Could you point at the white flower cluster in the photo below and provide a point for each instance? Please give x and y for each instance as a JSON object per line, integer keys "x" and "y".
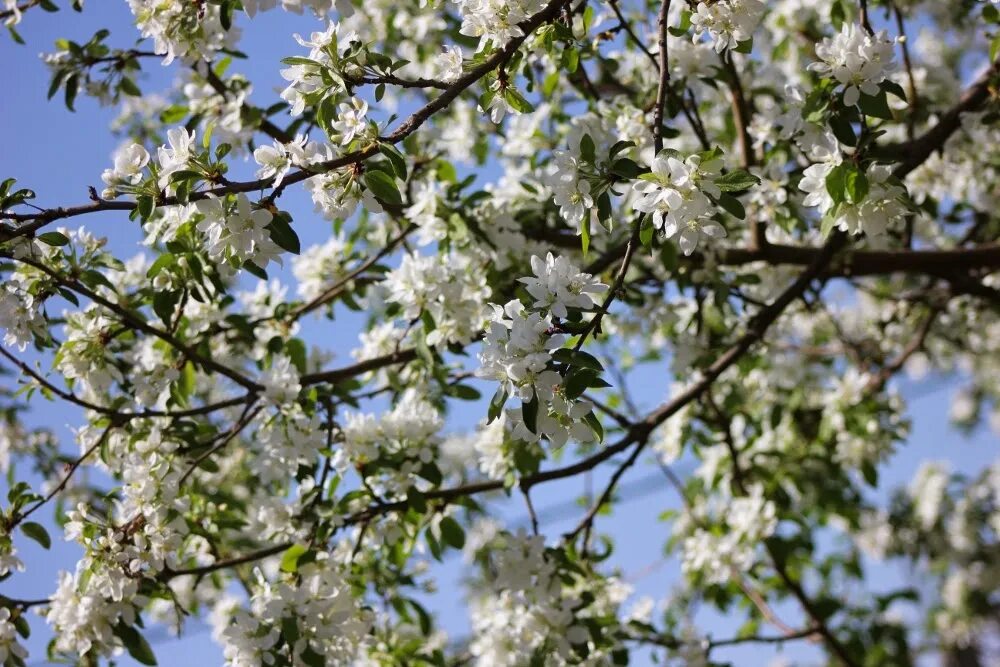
{"x": 519, "y": 343}
{"x": 558, "y": 285}
{"x": 319, "y": 266}
{"x": 716, "y": 556}
{"x": 677, "y": 194}
{"x": 10, "y": 647}
{"x": 224, "y": 113}
{"x": 449, "y": 64}
{"x": 317, "y": 602}
{"x": 9, "y": 561}
{"x": 531, "y": 606}
{"x": 280, "y": 381}
{"x": 407, "y": 434}
{"x": 882, "y": 207}
{"x": 129, "y": 162}
{"x": 182, "y": 29}
{"x": 517, "y": 350}
{"x": 319, "y": 77}
{"x": 235, "y": 233}
{"x": 495, "y": 21}
{"x": 283, "y": 443}
{"x": 276, "y": 160}
{"x": 423, "y": 212}
{"x": 571, "y": 193}
{"x": 84, "y": 357}
{"x": 449, "y": 288}
{"x": 20, "y": 315}
{"x": 574, "y": 171}
{"x": 88, "y": 605}
{"x": 337, "y": 193}
{"x": 14, "y": 7}
{"x": 928, "y": 491}
{"x": 728, "y": 22}
{"x": 174, "y": 156}
{"x": 350, "y": 122}
{"x": 318, "y": 7}
{"x": 155, "y": 372}
{"x": 857, "y": 60}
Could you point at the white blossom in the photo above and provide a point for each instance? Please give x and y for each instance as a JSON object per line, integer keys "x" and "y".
{"x": 857, "y": 60}
{"x": 130, "y": 161}
{"x": 235, "y": 232}
{"x": 677, "y": 196}
{"x": 728, "y": 22}
{"x": 557, "y": 285}
{"x": 449, "y": 63}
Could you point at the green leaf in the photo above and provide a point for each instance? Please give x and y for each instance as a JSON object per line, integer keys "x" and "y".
{"x": 870, "y": 473}
{"x": 299, "y": 60}
{"x": 682, "y": 27}
{"x": 745, "y": 46}
{"x": 72, "y": 87}
{"x": 464, "y": 392}
{"x": 127, "y": 86}
{"x": 626, "y": 169}
{"x": 290, "y": 559}
{"x": 571, "y": 59}
{"x": 173, "y": 114}
{"x": 164, "y": 303}
{"x": 254, "y": 270}
{"x": 226, "y": 15}
{"x": 135, "y": 643}
{"x": 604, "y": 212}
{"x": 579, "y": 380}
{"x": 890, "y": 86}
{"x": 732, "y": 205}
{"x": 578, "y": 359}
{"x": 312, "y": 658}
{"x": 876, "y": 106}
{"x": 53, "y": 238}
{"x": 37, "y": 532}
{"x": 433, "y": 545}
{"x": 290, "y": 629}
{"x": 283, "y": 234}
{"x": 517, "y": 101}
{"x": 145, "y": 206}
{"x": 395, "y": 158}
{"x": 296, "y": 351}
{"x": 588, "y": 151}
{"x": 452, "y": 533}
{"x": 843, "y": 130}
{"x": 620, "y": 146}
{"x": 496, "y": 404}
{"x": 383, "y": 186}
{"x": 529, "y": 412}
{"x": 646, "y": 233}
{"x": 827, "y": 223}
{"x": 836, "y": 183}
{"x": 22, "y": 627}
{"x": 856, "y": 186}
{"x": 736, "y": 181}
{"x": 585, "y": 234}
{"x": 162, "y": 262}
{"x": 57, "y": 80}
{"x": 595, "y": 425}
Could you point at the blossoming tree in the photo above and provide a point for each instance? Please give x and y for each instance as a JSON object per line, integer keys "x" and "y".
{"x": 771, "y": 208}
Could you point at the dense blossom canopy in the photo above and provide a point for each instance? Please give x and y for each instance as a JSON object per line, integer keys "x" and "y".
{"x": 771, "y": 208}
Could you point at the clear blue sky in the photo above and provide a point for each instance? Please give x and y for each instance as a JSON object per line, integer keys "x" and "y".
{"x": 59, "y": 154}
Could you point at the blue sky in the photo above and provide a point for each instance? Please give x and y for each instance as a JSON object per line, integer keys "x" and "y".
{"x": 59, "y": 154}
